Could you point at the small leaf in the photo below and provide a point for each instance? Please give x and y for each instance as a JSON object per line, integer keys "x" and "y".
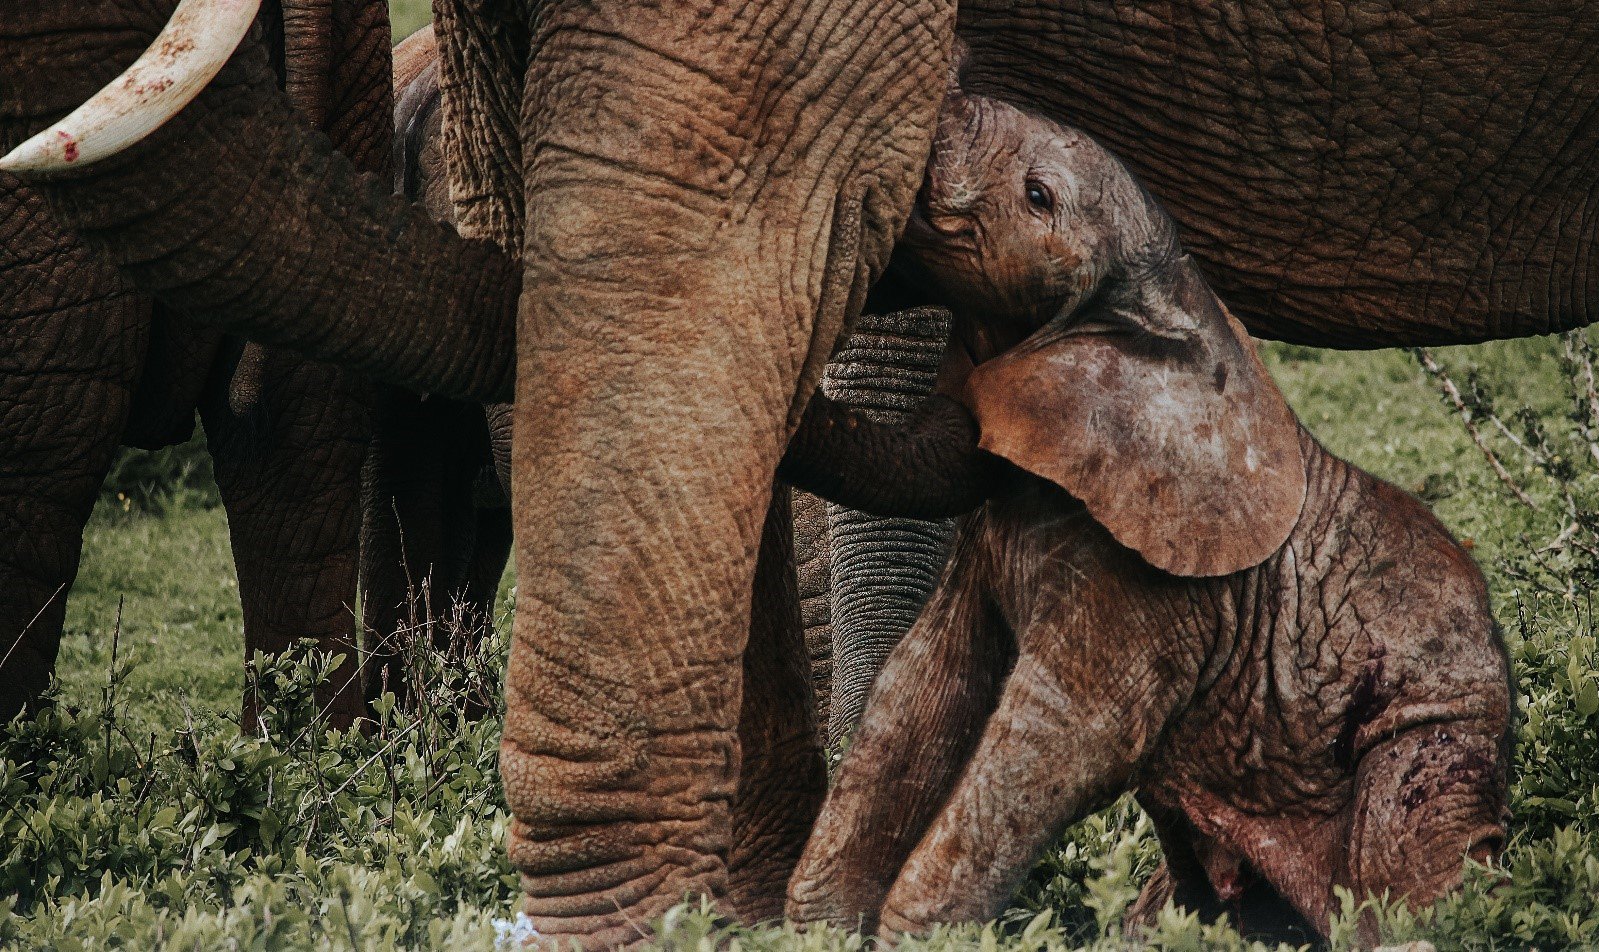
{"x": 1588, "y": 697}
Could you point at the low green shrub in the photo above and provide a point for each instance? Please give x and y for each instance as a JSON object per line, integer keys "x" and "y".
{"x": 292, "y": 837}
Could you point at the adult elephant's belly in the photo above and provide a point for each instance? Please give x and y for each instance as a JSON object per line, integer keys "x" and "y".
{"x": 1403, "y": 172}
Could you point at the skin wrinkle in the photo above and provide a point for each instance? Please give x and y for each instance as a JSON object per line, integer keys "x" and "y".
{"x": 1250, "y": 726}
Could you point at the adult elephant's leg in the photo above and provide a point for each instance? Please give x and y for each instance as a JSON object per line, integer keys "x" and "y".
{"x": 419, "y": 526}
{"x": 783, "y": 778}
{"x": 72, "y": 343}
{"x": 883, "y": 569}
{"x": 492, "y": 543}
{"x": 290, "y": 434}
{"x": 813, "y": 562}
{"x": 287, "y": 438}
{"x": 709, "y": 189}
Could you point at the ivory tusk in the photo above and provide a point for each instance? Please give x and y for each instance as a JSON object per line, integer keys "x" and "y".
{"x": 187, "y": 54}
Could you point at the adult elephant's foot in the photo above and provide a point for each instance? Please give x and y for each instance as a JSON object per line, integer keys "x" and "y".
{"x": 621, "y": 810}
{"x": 616, "y": 823}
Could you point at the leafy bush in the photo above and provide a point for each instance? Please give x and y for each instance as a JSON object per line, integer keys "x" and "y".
{"x": 295, "y": 836}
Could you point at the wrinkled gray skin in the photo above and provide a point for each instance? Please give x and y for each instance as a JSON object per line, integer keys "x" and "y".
{"x": 87, "y": 364}
{"x": 883, "y": 568}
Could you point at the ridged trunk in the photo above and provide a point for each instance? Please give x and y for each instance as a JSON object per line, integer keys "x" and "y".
{"x": 213, "y": 214}
{"x": 883, "y": 569}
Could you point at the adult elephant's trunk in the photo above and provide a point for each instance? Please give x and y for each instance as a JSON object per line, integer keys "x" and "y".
{"x": 883, "y": 568}
{"x": 236, "y": 212}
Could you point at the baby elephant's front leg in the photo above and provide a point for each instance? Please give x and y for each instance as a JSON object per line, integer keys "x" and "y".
{"x": 924, "y": 718}
{"x": 1064, "y": 740}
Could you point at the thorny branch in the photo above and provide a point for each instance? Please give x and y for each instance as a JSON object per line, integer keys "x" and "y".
{"x": 1535, "y": 450}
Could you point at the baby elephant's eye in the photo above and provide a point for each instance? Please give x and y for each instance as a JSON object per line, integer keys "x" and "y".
{"x": 1038, "y": 196}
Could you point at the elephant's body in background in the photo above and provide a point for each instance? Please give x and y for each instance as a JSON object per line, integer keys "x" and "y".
{"x": 87, "y": 365}
{"x": 681, "y": 209}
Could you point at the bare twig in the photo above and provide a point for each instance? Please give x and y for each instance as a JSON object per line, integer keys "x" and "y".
{"x": 1452, "y": 393}
{"x": 36, "y": 615}
{"x": 110, "y": 696}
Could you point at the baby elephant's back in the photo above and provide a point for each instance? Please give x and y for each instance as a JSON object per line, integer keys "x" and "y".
{"x": 1361, "y": 711}
{"x": 1371, "y": 618}
{"x": 1400, "y": 602}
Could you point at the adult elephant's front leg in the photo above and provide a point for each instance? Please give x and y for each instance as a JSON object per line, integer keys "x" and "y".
{"x": 710, "y": 188}
{"x": 73, "y": 340}
{"x": 287, "y": 436}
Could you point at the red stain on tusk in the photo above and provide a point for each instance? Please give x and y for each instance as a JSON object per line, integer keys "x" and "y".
{"x": 69, "y": 147}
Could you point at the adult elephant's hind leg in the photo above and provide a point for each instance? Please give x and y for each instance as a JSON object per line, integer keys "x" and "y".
{"x": 783, "y": 778}
{"x": 419, "y": 533}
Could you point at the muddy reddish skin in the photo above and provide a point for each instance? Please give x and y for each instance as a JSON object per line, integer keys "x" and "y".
{"x": 1335, "y": 713}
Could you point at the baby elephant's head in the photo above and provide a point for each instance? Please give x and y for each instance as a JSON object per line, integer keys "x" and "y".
{"x": 1020, "y": 219}
{"x": 1104, "y": 363}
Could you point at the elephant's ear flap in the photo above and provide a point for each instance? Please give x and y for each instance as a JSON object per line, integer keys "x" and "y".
{"x": 1160, "y": 417}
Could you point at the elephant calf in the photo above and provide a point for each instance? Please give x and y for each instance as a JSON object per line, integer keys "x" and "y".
{"x": 1176, "y": 590}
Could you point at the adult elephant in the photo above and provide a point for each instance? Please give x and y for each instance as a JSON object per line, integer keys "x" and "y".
{"x": 430, "y": 458}
{"x": 87, "y": 364}
{"x": 694, "y": 197}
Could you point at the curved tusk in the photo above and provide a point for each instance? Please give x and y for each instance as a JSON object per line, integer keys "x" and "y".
{"x": 187, "y": 54}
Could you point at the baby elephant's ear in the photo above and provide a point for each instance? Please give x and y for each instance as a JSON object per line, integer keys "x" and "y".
{"x": 1165, "y": 424}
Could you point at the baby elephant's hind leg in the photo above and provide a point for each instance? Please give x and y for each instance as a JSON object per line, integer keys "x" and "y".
{"x": 921, "y": 724}
{"x": 1425, "y": 800}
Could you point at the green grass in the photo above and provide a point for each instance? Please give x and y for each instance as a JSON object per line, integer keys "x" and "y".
{"x": 181, "y": 626}
{"x": 164, "y": 827}
{"x": 406, "y": 16}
